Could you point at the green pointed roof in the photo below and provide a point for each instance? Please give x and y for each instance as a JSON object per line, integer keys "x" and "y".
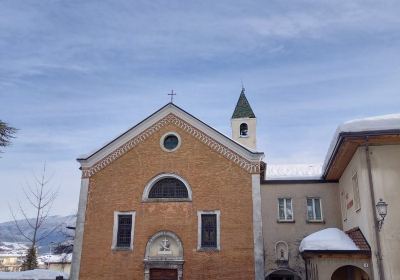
{"x": 243, "y": 108}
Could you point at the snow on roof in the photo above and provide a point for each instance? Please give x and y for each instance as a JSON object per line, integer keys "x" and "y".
{"x": 330, "y": 239}
{"x": 12, "y": 255}
{"x": 293, "y": 171}
{"x": 377, "y": 123}
{"x": 62, "y": 258}
{"x": 37, "y": 274}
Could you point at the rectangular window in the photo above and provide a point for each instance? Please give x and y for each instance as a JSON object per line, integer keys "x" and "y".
{"x": 123, "y": 230}
{"x": 285, "y": 209}
{"x": 208, "y": 229}
{"x": 356, "y": 192}
{"x": 314, "y": 209}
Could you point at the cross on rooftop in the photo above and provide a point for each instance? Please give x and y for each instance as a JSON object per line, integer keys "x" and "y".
{"x": 172, "y": 95}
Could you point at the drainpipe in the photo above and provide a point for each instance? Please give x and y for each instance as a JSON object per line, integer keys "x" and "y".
{"x": 373, "y": 204}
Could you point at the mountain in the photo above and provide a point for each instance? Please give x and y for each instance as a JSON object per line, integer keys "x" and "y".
{"x": 10, "y": 233}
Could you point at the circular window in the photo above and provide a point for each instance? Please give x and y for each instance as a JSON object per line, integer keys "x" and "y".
{"x": 170, "y": 142}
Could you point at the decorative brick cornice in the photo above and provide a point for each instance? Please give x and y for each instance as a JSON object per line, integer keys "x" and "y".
{"x": 251, "y": 167}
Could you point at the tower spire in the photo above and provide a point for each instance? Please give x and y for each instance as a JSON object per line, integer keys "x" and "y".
{"x": 243, "y": 108}
{"x": 243, "y": 122}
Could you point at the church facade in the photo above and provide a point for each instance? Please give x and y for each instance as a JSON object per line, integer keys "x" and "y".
{"x": 172, "y": 198}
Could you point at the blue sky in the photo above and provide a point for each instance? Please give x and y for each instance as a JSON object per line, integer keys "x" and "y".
{"x": 74, "y": 74}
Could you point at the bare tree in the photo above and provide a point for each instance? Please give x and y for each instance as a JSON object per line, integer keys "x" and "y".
{"x": 40, "y": 196}
{"x": 6, "y": 134}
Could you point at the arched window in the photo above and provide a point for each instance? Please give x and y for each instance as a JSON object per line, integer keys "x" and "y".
{"x": 168, "y": 188}
{"x": 244, "y": 130}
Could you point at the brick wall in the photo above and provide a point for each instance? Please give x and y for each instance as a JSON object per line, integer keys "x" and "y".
{"x": 216, "y": 182}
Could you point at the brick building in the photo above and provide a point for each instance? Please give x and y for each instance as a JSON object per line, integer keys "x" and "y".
{"x": 172, "y": 198}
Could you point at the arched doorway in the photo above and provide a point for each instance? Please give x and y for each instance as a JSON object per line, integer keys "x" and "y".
{"x": 282, "y": 274}
{"x": 349, "y": 272}
{"x": 163, "y": 259}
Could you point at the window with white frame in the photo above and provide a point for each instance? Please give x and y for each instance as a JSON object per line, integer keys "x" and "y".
{"x": 314, "y": 209}
{"x": 123, "y": 231}
{"x": 208, "y": 230}
{"x": 167, "y": 187}
{"x": 285, "y": 209}
{"x": 356, "y": 192}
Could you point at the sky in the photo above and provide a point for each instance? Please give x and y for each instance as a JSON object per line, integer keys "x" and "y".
{"x": 75, "y": 74}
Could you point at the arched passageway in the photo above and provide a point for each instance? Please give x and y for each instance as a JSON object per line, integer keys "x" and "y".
{"x": 349, "y": 272}
{"x": 282, "y": 274}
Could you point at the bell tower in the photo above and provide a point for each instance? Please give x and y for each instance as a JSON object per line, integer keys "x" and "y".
{"x": 243, "y": 123}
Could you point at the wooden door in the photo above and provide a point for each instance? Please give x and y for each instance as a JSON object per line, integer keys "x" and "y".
{"x": 163, "y": 274}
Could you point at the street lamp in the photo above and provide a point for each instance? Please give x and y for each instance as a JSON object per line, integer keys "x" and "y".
{"x": 381, "y": 206}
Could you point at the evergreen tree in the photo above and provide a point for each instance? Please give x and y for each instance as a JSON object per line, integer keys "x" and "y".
{"x": 30, "y": 261}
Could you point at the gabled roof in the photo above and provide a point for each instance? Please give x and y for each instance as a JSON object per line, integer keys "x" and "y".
{"x": 170, "y": 113}
{"x": 243, "y": 108}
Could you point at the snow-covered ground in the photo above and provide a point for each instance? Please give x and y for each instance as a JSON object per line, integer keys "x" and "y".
{"x": 330, "y": 239}
{"x": 37, "y": 274}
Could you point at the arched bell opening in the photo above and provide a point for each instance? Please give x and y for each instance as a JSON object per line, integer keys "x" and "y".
{"x": 244, "y": 130}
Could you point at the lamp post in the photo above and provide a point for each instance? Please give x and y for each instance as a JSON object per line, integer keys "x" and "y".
{"x": 381, "y": 207}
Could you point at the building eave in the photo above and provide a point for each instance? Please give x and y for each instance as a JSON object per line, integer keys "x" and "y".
{"x": 355, "y": 140}
{"x": 336, "y": 252}
{"x": 296, "y": 181}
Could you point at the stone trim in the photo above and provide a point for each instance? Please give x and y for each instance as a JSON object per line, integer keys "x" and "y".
{"x": 169, "y": 234}
{"x": 80, "y": 225}
{"x": 115, "y": 230}
{"x": 257, "y": 229}
{"x": 218, "y": 213}
{"x": 145, "y": 196}
{"x": 164, "y": 262}
{"x": 167, "y": 134}
{"x": 251, "y": 167}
